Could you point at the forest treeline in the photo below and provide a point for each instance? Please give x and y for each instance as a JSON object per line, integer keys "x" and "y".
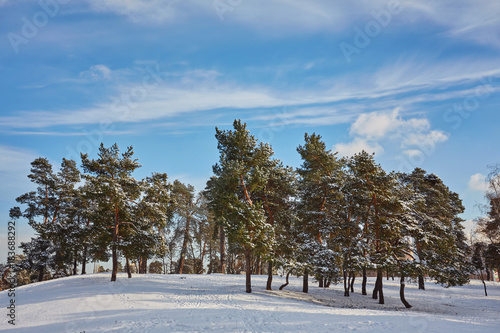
{"x": 331, "y": 219}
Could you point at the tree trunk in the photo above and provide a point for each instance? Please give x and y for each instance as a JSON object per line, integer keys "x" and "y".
{"x": 258, "y": 266}
{"x": 363, "y": 284}
{"x": 421, "y": 282}
{"x": 286, "y": 280}
{"x": 248, "y": 271}
{"x": 380, "y": 274}
{"x": 375, "y": 289}
{"x": 305, "y": 282}
{"x": 127, "y": 265}
{"x": 269, "y": 275}
{"x": 114, "y": 272}
{"x": 346, "y": 284}
{"x": 402, "y": 292}
{"x": 41, "y": 274}
{"x": 388, "y": 275}
{"x": 75, "y": 264}
{"x": 84, "y": 260}
{"x": 144, "y": 265}
{"x": 321, "y": 283}
{"x": 182, "y": 259}
{"x": 487, "y": 274}
{"x": 484, "y": 284}
{"x": 222, "y": 249}
{"x": 352, "y": 281}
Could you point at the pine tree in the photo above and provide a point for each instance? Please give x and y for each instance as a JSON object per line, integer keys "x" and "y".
{"x": 318, "y": 195}
{"x": 440, "y": 244}
{"x": 114, "y": 188}
{"x": 50, "y": 212}
{"x": 244, "y": 168}
{"x": 185, "y": 210}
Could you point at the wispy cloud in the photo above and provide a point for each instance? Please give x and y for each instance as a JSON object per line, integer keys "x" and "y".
{"x": 475, "y": 20}
{"x": 165, "y": 95}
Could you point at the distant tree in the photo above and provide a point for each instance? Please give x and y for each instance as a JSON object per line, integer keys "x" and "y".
{"x": 185, "y": 209}
{"x": 489, "y": 226}
{"x": 478, "y": 261}
{"x": 156, "y": 267}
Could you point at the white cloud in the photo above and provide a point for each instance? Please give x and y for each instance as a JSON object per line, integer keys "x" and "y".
{"x": 425, "y": 139}
{"x": 144, "y": 11}
{"x": 478, "y": 182}
{"x": 96, "y": 73}
{"x": 413, "y": 153}
{"x": 370, "y": 128}
{"x": 375, "y": 125}
{"x": 356, "y": 146}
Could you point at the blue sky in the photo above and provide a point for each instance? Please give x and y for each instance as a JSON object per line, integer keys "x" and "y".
{"x": 416, "y": 82}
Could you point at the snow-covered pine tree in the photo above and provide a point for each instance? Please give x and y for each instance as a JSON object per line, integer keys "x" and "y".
{"x": 244, "y": 168}
{"x": 50, "y": 212}
{"x": 114, "y": 189}
{"x": 319, "y": 184}
{"x": 440, "y": 246}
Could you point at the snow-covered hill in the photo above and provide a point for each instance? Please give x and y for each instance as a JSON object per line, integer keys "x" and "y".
{"x": 218, "y": 303}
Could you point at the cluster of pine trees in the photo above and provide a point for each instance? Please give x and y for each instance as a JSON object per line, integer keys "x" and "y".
{"x": 330, "y": 219}
{"x": 334, "y": 217}
{"x": 105, "y": 213}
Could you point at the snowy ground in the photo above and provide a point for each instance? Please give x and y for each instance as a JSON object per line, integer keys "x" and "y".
{"x": 201, "y": 303}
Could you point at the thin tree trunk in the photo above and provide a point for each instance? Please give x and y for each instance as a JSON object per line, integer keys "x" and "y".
{"x": 421, "y": 282}
{"x": 305, "y": 282}
{"x": 143, "y": 265}
{"x": 402, "y": 292}
{"x": 346, "y": 284}
{"x": 114, "y": 250}
{"x": 75, "y": 264}
{"x": 84, "y": 260}
{"x": 269, "y": 275}
{"x": 222, "y": 249}
{"x": 41, "y": 274}
{"x": 380, "y": 274}
{"x": 352, "y": 281}
{"x": 321, "y": 283}
{"x": 484, "y": 284}
{"x": 127, "y": 265}
{"x": 286, "y": 280}
{"x": 248, "y": 271}
{"x": 375, "y": 289}
{"x": 363, "y": 284}
{"x": 387, "y": 275}
{"x": 182, "y": 259}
